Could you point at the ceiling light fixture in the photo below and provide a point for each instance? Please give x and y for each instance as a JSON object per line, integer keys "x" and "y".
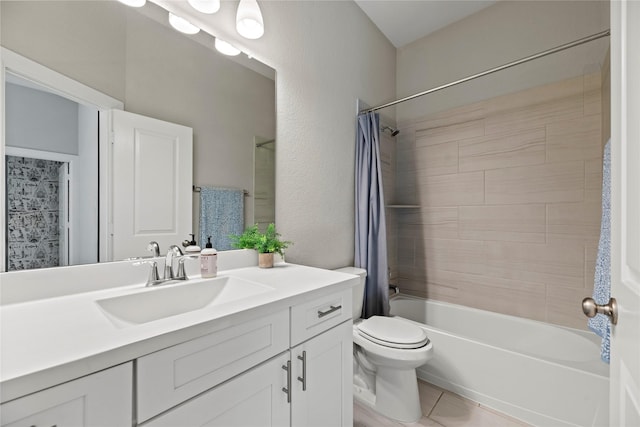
{"x": 226, "y": 48}
{"x": 182, "y": 24}
{"x": 133, "y": 3}
{"x": 205, "y": 6}
{"x": 249, "y": 21}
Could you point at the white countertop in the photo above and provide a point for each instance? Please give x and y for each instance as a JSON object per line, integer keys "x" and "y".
{"x": 44, "y": 342}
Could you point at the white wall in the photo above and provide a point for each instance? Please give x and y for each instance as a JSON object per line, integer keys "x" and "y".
{"x": 504, "y": 32}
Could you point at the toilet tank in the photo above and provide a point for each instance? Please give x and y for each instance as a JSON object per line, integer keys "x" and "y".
{"x": 358, "y": 290}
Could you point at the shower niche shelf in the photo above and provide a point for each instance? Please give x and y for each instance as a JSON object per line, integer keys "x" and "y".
{"x": 402, "y": 206}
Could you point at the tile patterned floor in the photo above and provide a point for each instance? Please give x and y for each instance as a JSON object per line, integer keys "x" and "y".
{"x": 440, "y": 408}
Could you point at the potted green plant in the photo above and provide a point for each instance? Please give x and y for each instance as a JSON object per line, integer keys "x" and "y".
{"x": 266, "y": 244}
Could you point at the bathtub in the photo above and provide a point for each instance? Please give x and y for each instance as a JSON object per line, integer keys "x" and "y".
{"x": 543, "y": 374}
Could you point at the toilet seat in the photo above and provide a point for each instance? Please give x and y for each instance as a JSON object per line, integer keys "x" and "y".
{"x": 392, "y": 332}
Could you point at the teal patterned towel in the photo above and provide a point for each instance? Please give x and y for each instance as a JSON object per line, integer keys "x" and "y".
{"x": 221, "y": 214}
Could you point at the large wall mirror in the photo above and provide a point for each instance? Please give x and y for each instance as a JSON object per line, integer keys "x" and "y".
{"x": 133, "y": 56}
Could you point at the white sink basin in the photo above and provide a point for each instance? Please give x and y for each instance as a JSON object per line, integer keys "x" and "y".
{"x": 159, "y": 302}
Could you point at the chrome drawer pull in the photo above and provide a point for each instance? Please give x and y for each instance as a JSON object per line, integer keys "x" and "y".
{"x": 287, "y": 389}
{"x": 303, "y": 379}
{"x": 331, "y": 310}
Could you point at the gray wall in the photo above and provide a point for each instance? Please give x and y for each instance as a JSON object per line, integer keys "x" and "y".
{"x": 40, "y": 121}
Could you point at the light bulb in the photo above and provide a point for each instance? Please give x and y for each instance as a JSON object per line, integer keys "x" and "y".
{"x": 133, "y": 3}
{"x": 182, "y": 24}
{"x": 249, "y": 21}
{"x": 205, "y": 6}
{"x": 226, "y": 48}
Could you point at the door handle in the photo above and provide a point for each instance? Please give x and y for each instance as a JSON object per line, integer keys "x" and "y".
{"x": 610, "y": 309}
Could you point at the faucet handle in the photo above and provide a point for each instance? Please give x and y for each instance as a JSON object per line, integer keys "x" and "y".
{"x": 154, "y": 277}
{"x": 182, "y": 274}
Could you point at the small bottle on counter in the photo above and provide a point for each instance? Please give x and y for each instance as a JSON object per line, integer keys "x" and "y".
{"x": 192, "y": 247}
{"x": 209, "y": 260}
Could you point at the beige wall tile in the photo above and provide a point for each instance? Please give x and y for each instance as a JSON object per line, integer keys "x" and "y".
{"x": 507, "y": 296}
{"x": 526, "y": 147}
{"x": 553, "y": 264}
{"x": 538, "y": 95}
{"x": 593, "y": 93}
{"x": 466, "y": 113}
{"x": 564, "y": 306}
{"x": 577, "y": 139}
{"x": 463, "y": 256}
{"x": 593, "y": 180}
{"x": 455, "y": 132}
{"x": 552, "y": 182}
{"x": 432, "y": 222}
{"x": 534, "y": 116}
{"x": 590, "y": 256}
{"x": 518, "y": 220}
{"x": 440, "y": 159}
{"x": 452, "y": 190}
{"x": 574, "y": 221}
{"x": 511, "y": 223}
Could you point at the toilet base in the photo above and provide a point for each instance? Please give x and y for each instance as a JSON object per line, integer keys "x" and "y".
{"x": 396, "y": 395}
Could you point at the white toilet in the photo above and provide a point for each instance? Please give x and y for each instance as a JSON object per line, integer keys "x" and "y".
{"x": 386, "y": 353}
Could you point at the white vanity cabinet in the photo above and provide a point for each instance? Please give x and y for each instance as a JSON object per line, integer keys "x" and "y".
{"x": 254, "y": 398}
{"x": 323, "y": 378}
{"x": 290, "y": 368}
{"x": 321, "y": 358}
{"x": 101, "y": 399}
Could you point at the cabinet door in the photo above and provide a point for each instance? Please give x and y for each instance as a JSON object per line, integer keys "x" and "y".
{"x": 100, "y": 399}
{"x": 323, "y": 378}
{"x": 253, "y": 399}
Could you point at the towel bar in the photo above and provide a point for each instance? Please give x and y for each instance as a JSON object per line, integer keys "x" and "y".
{"x": 197, "y": 189}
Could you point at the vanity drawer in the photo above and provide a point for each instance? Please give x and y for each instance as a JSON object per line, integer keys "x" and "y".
{"x": 100, "y": 399}
{"x": 316, "y": 316}
{"x": 173, "y": 375}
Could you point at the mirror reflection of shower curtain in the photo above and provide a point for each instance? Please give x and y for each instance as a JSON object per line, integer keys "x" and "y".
{"x": 35, "y": 210}
{"x": 63, "y": 213}
{"x": 264, "y": 183}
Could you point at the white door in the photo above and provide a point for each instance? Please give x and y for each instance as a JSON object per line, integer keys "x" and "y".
{"x": 625, "y": 218}
{"x": 152, "y": 184}
{"x": 323, "y": 378}
{"x": 63, "y": 214}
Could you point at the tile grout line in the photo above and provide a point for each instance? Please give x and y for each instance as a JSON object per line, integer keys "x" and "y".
{"x": 435, "y": 404}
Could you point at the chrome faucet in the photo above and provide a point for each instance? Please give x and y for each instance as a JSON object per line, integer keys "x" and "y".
{"x": 168, "y": 261}
{"x": 173, "y": 253}
{"x": 154, "y": 247}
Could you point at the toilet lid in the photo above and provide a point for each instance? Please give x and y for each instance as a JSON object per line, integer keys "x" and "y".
{"x": 393, "y": 332}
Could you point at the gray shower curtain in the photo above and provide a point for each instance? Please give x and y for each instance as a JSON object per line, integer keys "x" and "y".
{"x": 371, "y": 232}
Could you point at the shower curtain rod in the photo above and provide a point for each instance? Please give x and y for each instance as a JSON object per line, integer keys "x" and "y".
{"x": 560, "y": 48}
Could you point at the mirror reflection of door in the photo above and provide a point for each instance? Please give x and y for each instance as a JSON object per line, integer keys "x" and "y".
{"x": 45, "y": 135}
